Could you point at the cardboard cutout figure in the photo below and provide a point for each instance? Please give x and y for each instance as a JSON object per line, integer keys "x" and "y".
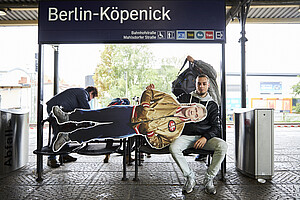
{"x": 159, "y": 117}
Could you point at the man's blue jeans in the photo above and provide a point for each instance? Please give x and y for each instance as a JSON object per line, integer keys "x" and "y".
{"x": 186, "y": 141}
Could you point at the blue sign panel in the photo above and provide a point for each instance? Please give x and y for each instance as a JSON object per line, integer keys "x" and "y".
{"x": 131, "y": 21}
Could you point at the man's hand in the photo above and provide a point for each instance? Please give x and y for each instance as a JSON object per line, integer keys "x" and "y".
{"x": 150, "y": 87}
{"x": 190, "y": 58}
{"x": 199, "y": 144}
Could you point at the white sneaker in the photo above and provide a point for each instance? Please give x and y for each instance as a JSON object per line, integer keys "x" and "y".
{"x": 189, "y": 185}
{"x": 61, "y": 140}
{"x": 209, "y": 186}
{"x": 60, "y": 115}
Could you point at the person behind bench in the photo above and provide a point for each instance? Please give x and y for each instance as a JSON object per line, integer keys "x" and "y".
{"x": 202, "y": 135}
{"x": 69, "y": 100}
{"x": 159, "y": 117}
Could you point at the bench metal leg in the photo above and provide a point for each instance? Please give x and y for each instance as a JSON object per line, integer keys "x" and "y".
{"x": 136, "y": 170}
{"x": 140, "y": 139}
{"x": 124, "y": 160}
{"x": 129, "y": 145}
{"x": 39, "y": 161}
{"x": 39, "y": 168}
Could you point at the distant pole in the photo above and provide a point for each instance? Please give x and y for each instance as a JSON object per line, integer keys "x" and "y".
{"x": 126, "y": 84}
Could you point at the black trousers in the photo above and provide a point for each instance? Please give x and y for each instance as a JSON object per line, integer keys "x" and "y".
{"x": 110, "y": 122}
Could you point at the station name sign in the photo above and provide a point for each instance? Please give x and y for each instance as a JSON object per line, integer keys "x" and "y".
{"x": 131, "y": 21}
{"x": 108, "y": 14}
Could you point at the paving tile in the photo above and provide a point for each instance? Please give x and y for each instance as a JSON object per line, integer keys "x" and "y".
{"x": 160, "y": 158}
{"x": 223, "y": 192}
{"x": 57, "y": 192}
{"x": 67, "y": 177}
{"x": 280, "y": 166}
{"x": 258, "y": 192}
{"x": 111, "y": 178}
{"x": 18, "y": 178}
{"x": 292, "y": 190}
{"x": 117, "y": 167}
{"x": 82, "y": 167}
{"x": 162, "y": 166}
{"x": 9, "y": 192}
{"x": 160, "y": 192}
{"x": 152, "y": 178}
{"x": 284, "y": 158}
{"x": 286, "y": 177}
{"x": 295, "y": 156}
{"x": 159, "y": 177}
{"x": 237, "y": 178}
{"x": 107, "y": 192}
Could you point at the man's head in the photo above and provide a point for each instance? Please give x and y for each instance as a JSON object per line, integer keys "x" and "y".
{"x": 202, "y": 84}
{"x": 195, "y": 112}
{"x": 93, "y": 92}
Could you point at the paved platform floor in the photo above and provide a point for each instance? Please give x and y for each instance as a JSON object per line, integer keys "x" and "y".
{"x": 160, "y": 178}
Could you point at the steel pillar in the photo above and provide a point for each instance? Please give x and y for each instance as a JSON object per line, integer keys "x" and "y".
{"x": 56, "y": 76}
{"x": 40, "y": 99}
{"x": 223, "y": 104}
{"x": 242, "y": 17}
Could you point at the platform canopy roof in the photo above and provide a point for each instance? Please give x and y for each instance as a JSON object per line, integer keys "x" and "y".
{"x": 25, "y": 12}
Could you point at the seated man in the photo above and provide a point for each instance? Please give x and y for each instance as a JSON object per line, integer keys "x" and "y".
{"x": 204, "y": 134}
{"x": 159, "y": 117}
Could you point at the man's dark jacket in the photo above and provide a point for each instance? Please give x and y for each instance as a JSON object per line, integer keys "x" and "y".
{"x": 210, "y": 126}
{"x": 70, "y": 99}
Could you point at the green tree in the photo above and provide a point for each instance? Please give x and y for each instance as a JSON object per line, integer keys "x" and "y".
{"x": 125, "y": 71}
{"x": 296, "y": 91}
{"x": 104, "y": 75}
{"x": 166, "y": 74}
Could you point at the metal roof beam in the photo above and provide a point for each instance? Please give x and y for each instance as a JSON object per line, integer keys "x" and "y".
{"x": 18, "y": 22}
{"x": 274, "y": 3}
{"x": 270, "y": 21}
{"x": 19, "y": 5}
{"x": 274, "y": 6}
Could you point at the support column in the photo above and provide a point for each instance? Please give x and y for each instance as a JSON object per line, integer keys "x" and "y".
{"x": 223, "y": 104}
{"x": 56, "y": 76}
{"x": 40, "y": 99}
{"x": 242, "y": 17}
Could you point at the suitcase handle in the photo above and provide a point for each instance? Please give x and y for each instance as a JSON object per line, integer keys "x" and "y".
{"x": 185, "y": 61}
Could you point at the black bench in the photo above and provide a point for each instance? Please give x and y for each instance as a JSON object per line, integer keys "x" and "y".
{"x": 94, "y": 148}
